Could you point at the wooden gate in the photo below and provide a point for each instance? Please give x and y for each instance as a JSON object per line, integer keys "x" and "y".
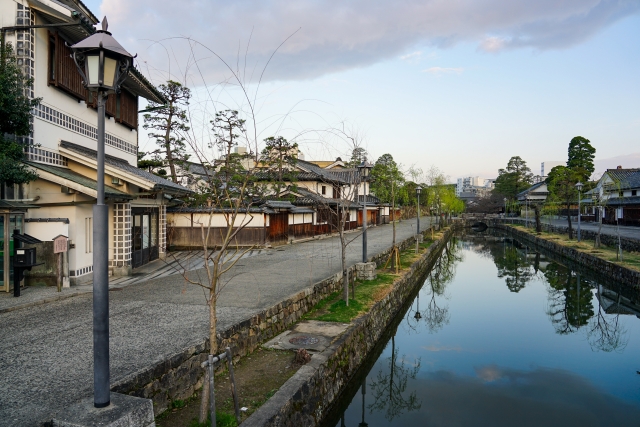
{"x": 279, "y": 228}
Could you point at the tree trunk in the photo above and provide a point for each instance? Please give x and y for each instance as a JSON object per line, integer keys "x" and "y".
{"x": 167, "y": 146}
{"x": 569, "y": 221}
{"x": 596, "y": 244}
{"x": 536, "y": 210}
{"x": 345, "y": 276}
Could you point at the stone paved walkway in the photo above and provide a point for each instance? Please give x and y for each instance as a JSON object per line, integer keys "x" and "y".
{"x": 46, "y": 349}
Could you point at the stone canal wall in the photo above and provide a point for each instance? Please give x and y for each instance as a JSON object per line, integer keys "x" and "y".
{"x": 178, "y": 377}
{"x": 609, "y": 269}
{"x": 627, "y": 244}
{"x": 318, "y": 386}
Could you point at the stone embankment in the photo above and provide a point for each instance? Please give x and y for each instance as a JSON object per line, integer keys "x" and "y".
{"x": 617, "y": 273}
{"x": 179, "y": 376}
{"x": 601, "y": 267}
{"x": 307, "y": 396}
{"x": 627, "y": 244}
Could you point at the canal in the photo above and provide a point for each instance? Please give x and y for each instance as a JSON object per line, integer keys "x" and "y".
{"x": 502, "y": 335}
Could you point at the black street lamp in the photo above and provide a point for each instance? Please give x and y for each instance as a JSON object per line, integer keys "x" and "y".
{"x": 418, "y": 191}
{"x": 579, "y": 186}
{"x": 103, "y": 64}
{"x": 505, "y": 208}
{"x": 364, "y": 168}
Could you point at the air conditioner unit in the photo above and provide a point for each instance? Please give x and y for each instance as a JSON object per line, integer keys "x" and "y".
{"x": 67, "y": 190}
{"x": 116, "y": 181}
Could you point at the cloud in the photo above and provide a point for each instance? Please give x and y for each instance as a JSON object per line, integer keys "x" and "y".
{"x": 492, "y": 44}
{"x": 438, "y": 71}
{"x": 441, "y": 348}
{"x": 332, "y": 35}
{"x": 411, "y": 56}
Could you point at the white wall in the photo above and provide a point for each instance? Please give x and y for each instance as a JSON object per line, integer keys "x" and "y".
{"x": 217, "y": 220}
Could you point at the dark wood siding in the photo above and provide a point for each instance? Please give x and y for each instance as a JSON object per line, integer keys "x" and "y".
{"x": 63, "y": 72}
{"x": 300, "y": 231}
{"x": 278, "y": 228}
{"x": 128, "y": 109}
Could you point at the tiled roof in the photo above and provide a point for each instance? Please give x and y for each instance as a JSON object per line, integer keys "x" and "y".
{"x": 625, "y": 178}
{"x": 314, "y": 172}
{"x": 197, "y": 168}
{"x": 531, "y": 189}
{"x": 278, "y": 204}
{"x": 68, "y": 174}
{"x": 371, "y": 200}
{"x": 311, "y": 198}
{"x": 138, "y": 84}
{"x": 623, "y": 201}
{"x": 158, "y": 182}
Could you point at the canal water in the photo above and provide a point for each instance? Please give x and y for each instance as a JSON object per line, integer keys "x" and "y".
{"x": 502, "y": 335}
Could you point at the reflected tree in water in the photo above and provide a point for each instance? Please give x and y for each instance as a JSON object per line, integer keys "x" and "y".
{"x": 388, "y": 389}
{"x": 570, "y": 299}
{"x": 605, "y": 333}
{"x": 513, "y": 266}
{"x": 441, "y": 274}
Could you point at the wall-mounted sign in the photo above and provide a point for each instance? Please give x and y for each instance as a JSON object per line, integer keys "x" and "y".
{"x": 60, "y": 244}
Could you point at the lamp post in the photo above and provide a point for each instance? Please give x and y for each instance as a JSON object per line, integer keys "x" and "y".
{"x": 418, "y": 191}
{"x": 505, "y": 209}
{"x": 364, "y": 168}
{"x": 103, "y": 64}
{"x": 579, "y": 186}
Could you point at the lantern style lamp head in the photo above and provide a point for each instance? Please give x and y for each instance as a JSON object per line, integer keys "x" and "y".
{"x": 418, "y": 190}
{"x": 102, "y": 62}
{"x": 365, "y": 168}
{"x": 579, "y": 186}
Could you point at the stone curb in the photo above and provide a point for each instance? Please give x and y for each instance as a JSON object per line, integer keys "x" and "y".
{"x": 43, "y": 301}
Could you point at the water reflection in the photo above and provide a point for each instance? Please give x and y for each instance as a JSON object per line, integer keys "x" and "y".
{"x": 389, "y": 388}
{"x": 570, "y": 305}
{"x": 503, "y": 334}
{"x": 606, "y": 332}
{"x": 436, "y": 314}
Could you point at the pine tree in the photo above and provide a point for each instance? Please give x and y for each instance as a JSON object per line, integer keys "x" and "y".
{"x": 169, "y": 121}
{"x": 581, "y": 155}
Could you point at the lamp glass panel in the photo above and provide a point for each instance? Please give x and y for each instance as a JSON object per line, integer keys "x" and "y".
{"x": 110, "y": 66}
{"x": 93, "y": 66}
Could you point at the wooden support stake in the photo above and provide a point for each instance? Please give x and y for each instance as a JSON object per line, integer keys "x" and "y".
{"x": 233, "y": 384}
{"x": 204, "y": 402}
{"x": 60, "y": 272}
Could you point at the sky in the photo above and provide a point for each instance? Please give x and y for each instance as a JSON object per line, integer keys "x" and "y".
{"x": 461, "y": 85}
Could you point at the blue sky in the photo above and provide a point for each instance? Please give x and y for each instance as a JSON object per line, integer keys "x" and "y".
{"x": 459, "y": 85}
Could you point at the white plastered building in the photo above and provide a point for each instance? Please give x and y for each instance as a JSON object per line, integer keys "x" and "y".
{"x": 63, "y": 150}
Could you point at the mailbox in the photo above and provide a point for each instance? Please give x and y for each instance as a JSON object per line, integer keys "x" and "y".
{"x": 24, "y": 257}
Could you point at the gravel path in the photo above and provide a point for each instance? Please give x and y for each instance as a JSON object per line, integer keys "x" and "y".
{"x": 46, "y": 360}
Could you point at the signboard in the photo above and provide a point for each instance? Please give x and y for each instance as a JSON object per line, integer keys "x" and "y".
{"x": 60, "y": 244}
